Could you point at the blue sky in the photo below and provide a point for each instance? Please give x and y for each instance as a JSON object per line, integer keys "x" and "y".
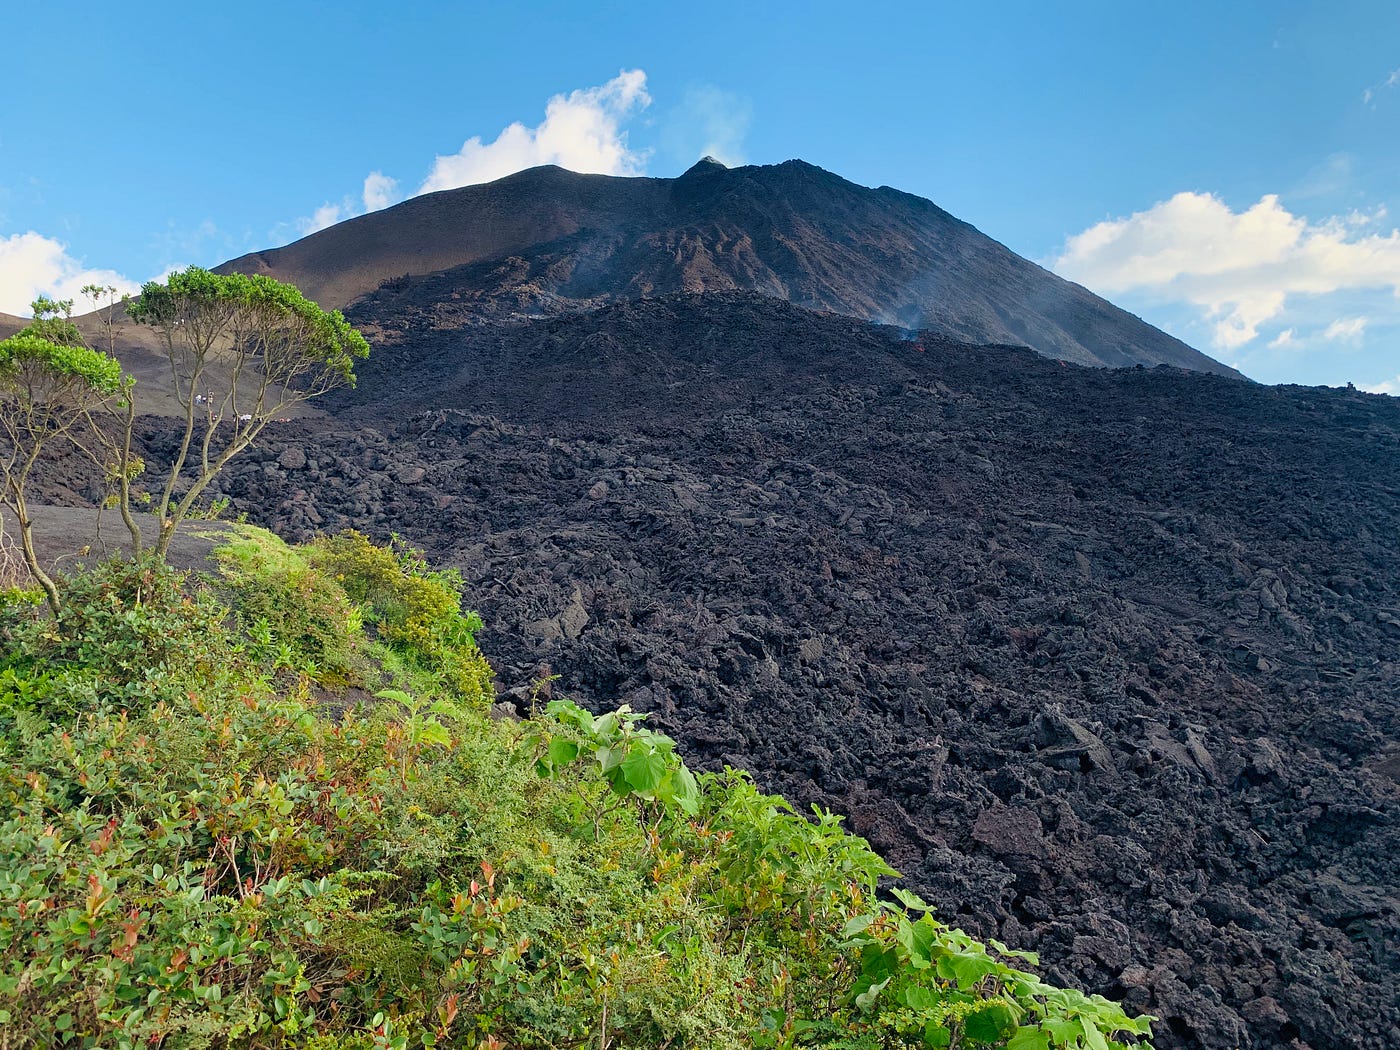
{"x": 1231, "y": 172}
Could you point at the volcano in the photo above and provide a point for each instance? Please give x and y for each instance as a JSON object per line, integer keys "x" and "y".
{"x": 547, "y": 240}
{"x": 1104, "y": 659}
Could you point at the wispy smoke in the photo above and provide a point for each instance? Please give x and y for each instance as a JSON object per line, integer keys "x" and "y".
{"x": 717, "y": 121}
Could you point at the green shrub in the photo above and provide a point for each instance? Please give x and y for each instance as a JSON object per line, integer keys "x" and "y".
{"x": 126, "y": 634}
{"x": 290, "y": 614}
{"x": 242, "y": 870}
{"x": 413, "y": 608}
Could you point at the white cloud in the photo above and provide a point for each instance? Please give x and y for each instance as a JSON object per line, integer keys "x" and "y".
{"x": 32, "y": 265}
{"x": 1390, "y": 386}
{"x": 326, "y": 215}
{"x": 1284, "y": 338}
{"x": 1345, "y": 329}
{"x": 1238, "y": 269}
{"x": 581, "y": 131}
{"x": 380, "y": 191}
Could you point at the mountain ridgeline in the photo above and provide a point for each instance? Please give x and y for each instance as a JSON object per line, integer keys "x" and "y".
{"x": 548, "y": 240}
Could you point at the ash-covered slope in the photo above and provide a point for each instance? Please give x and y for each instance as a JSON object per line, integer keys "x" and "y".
{"x": 1107, "y": 661}
{"x": 9, "y": 324}
{"x": 548, "y": 240}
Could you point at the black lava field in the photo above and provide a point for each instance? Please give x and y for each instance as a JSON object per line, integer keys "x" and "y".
{"x": 1107, "y": 662}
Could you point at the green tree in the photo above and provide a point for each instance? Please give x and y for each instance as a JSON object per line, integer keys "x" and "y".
{"x": 48, "y": 393}
{"x": 104, "y": 300}
{"x": 242, "y": 350}
{"x": 121, "y": 466}
{"x": 53, "y": 320}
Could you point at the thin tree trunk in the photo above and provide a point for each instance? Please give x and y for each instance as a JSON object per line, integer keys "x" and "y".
{"x": 124, "y": 479}
{"x": 31, "y": 557}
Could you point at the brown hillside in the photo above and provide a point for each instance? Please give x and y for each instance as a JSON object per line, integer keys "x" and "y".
{"x": 548, "y": 240}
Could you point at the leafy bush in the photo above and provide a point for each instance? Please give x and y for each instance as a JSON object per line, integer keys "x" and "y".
{"x": 845, "y": 968}
{"x": 412, "y": 607}
{"x": 126, "y": 633}
{"x": 242, "y": 869}
{"x": 291, "y": 614}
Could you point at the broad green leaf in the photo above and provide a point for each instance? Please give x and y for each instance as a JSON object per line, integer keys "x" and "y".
{"x": 918, "y": 939}
{"x": 910, "y": 900}
{"x": 617, "y": 780}
{"x": 1064, "y": 1031}
{"x": 856, "y": 925}
{"x": 1014, "y": 953}
{"x": 569, "y": 712}
{"x": 866, "y": 1000}
{"x": 644, "y": 771}
{"x": 685, "y": 791}
{"x": 990, "y": 1024}
{"x": 1093, "y": 1038}
{"x": 562, "y": 751}
{"x": 937, "y": 1036}
{"x": 877, "y": 962}
{"x": 605, "y": 726}
{"x": 609, "y": 758}
{"x": 917, "y": 997}
{"x": 435, "y": 733}
{"x": 967, "y": 970}
{"x": 1028, "y": 1037}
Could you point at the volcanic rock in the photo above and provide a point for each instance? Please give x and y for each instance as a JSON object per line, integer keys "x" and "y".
{"x": 854, "y": 568}
{"x": 1104, "y": 660}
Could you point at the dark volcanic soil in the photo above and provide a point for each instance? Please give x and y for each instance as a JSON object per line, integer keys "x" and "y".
{"x": 1105, "y": 661}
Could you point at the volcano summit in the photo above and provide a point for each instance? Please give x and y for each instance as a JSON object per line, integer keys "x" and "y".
{"x": 548, "y": 240}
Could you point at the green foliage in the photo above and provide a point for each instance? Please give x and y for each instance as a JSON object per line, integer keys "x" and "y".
{"x": 48, "y": 393}
{"x": 412, "y": 607}
{"x": 290, "y": 614}
{"x": 804, "y": 890}
{"x": 125, "y": 634}
{"x": 242, "y": 350}
{"x": 632, "y": 759}
{"x": 922, "y": 980}
{"x": 261, "y": 314}
{"x": 199, "y": 857}
{"x": 25, "y": 357}
{"x": 52, "y": 322}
